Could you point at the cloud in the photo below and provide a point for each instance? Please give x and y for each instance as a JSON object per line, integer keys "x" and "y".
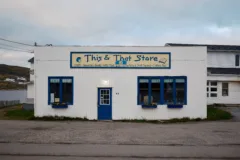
{"x": 120, "y": 22}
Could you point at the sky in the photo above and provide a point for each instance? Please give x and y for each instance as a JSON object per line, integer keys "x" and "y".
{"x": 114, "y": 22}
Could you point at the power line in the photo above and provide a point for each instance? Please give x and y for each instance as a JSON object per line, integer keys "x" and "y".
{"x": 14, "y": 47}
{"x": 15, "y": 50}
{"x": 15, "y": 42}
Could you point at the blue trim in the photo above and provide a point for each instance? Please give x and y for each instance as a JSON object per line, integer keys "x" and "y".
{"x": 149, "y": 106}
{"x": 175, "y": 106}
{"x": 104, "y": 111}
{"x": 120, "y": 67}
{"x": 60, "y": 106}
{"x": 60, "y": 88}
{"x": 185, "y": 91}
{"x": 149, "y": 78}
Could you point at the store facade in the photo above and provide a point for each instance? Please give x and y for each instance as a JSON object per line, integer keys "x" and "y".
{"x": 113, "y": 83}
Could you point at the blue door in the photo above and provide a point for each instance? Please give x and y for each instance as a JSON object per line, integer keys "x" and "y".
{"x": 104, "y": 103}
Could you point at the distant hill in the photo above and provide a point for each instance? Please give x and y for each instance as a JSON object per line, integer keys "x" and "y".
{"x": 13, "y": 72}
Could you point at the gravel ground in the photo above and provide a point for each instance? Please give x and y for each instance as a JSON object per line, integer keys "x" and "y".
{"x": 193, "y": 134}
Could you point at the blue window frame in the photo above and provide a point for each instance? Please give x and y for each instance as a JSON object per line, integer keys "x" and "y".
{"x": 162, "y": 90}
{"x": 60, "y": 89}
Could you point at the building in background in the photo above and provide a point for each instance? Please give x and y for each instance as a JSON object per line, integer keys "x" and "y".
{"x": 223, "y": 72}
{"x": 121, "y": 82}
{"x": 29, "y": 103}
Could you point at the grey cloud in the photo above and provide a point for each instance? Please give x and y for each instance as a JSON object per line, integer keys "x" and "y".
{"x": 120, "y": 22}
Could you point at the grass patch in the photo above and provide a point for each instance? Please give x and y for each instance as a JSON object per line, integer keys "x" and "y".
{"x": 19, "y": 114}
{"x": 58, "y": 118}
{"x": 214, "y": 113}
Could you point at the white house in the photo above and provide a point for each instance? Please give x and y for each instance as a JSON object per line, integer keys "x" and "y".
{"x": 223, "y": 80}
{"x": 9, "y": 80}
{"x": 29, "y": 103}
{"x": 119, "y": 82}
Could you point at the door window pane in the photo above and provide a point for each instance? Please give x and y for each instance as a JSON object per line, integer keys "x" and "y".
{"x": 104, "y": 96}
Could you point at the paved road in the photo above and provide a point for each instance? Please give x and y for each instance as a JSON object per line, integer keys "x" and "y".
{"x": 235, "y": 111}
{"x": 107, "y": 140}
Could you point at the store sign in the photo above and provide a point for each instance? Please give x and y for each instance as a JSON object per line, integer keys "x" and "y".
{"x": 120, "y": 60}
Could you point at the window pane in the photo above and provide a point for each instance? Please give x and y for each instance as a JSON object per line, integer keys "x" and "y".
{"x": 213, "y": 95}
{"x": 207, "y": 95}
{"x": 54, "y": 90}
{"x": 237, "y": 59}
{"x": 168, "y": 91}
{"x": 180, "y": 89}
{"x": 225, "y": 92}
{"x": 143, "y": 91}
{"x": 213, "y": 89}
{"x": 225, "y": 85}
{"x": 224, "y": 89}
{"x": 213, "y": 83}
{"x": 67, "y": 90}
{"x": 155, "y": 85}
{"x": 207, "y": 89}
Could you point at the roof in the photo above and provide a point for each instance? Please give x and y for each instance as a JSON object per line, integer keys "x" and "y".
{"x": 210, "y": 47}
{"x": 31, "y": 60}
{"x": 232, "y": 71}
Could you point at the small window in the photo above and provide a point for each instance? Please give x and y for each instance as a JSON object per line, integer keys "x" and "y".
{"x": 213, "y": 94}
{"x": 211, "y": 89}
{"x": 213, "y": 83}
{"x": 237, "y": 60}
{"x": 60, "y": 90}
{"x": 155, "y": 89}
{"x": 224, "y": 89}
{"x": 180, "y": 91}
{"x": 143, "y": 91}
{"x": 168, "y": 91}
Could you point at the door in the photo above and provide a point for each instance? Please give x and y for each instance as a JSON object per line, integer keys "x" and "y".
{"x": 104, "y": 103}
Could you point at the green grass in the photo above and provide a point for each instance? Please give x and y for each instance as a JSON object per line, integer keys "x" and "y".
{"x": 17, "y": 112}
{"x": 214, "y": 113}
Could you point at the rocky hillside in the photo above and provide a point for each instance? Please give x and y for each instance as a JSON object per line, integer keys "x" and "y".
{"x": 13, "y": 77}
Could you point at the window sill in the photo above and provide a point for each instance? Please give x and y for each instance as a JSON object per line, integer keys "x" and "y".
{"x": 60, "y": 106}
{"x": 149, "y": 106}
{"x": 175, "y": 106}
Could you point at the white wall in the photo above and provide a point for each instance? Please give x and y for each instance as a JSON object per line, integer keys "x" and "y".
{"x": 30, "y": 91}
{"x": 55, "y": 61}
{"x": 221, "y": 60}
{"x": 233, "y": 94}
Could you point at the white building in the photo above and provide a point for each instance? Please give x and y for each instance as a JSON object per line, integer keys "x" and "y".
{"x": 223, "y": 80}
{"x": 29, "y": 103}
{"x": 105, "y": 82}
{"x": 9, "y": 80}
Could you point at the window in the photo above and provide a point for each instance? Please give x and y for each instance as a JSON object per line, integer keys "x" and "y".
{"x": 224, "y": 89}
{"x": 211, "y": 89}
{"x": 162, "y": 90}
{"x": 180, "y": 90}
{"x": 237, "y": 59}
{"x": 60, "y": 90}
{"x": 168, "y": 91}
